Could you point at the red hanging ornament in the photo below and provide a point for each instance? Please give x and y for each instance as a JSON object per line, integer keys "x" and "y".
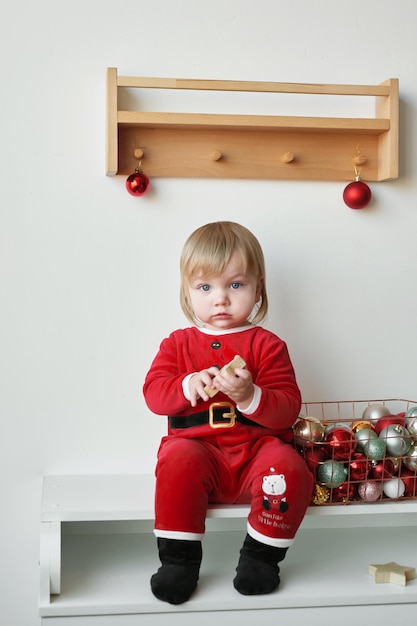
{"x": 137, "y": 184}
{"x": 357, "y": 195}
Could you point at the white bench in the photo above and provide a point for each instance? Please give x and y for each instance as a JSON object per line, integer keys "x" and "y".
{"x": 98, "y": 551}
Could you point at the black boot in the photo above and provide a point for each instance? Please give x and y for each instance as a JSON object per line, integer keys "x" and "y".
{"x": 177, "y": 578}
{"x": 257, "y": 571}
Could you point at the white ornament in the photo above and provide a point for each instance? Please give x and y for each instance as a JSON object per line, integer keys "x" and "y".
{"x": 394, "y": 488}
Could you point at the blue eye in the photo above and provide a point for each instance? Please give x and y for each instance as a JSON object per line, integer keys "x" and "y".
{"x": 205, "y": 287}
{"x": 235, "y": 285}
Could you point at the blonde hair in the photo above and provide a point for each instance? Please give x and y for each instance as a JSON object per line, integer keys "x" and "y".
{"x": 209, "y": 249}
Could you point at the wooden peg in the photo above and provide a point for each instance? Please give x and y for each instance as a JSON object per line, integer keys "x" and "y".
{"x": 359, "y": 159}
{"x": 138, "y": 153}
{"x": 216, "y": 155}
{"x": 288, "y": 157}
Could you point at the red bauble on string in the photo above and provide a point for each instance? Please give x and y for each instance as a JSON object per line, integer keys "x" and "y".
{"x": 137, "y": 183}
{"x": 357, "y": 195}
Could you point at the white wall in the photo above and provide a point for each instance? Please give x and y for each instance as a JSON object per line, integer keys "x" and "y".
{"x": 89, "y": 278}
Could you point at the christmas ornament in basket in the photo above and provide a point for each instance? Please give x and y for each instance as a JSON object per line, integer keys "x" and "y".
{"x": 359, "y": 451}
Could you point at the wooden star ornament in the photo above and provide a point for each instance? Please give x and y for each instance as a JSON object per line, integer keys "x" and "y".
{"x": 392, "y": 573}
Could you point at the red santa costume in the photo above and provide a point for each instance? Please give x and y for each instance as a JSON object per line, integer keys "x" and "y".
{"x": 215, "y": 453}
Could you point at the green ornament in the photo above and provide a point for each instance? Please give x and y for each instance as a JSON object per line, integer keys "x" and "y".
{"x": 363, "y": 436}
{"x": 335, "y": 425}
{"x": 375, "y": 449}
{"x": 331, "y": 474}
{"x": 397, "y": 439}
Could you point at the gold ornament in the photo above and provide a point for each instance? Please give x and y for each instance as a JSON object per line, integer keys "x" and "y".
{"x": 308, "y": 431}
{"x": 360, "y": 424}
{"x": 321, "y": 494}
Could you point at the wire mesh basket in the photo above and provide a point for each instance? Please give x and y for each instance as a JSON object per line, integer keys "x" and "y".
{"x": 359, "y": 451}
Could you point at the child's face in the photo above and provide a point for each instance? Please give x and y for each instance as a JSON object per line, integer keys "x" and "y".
{"x": 227, "y": 300}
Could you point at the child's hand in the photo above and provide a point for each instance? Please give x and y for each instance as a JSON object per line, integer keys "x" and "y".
{"x": 238, "y": 386}
{"x": 198, "y": 382}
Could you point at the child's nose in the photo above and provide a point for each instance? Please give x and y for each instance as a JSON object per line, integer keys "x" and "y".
{"x": 221, "y": 296}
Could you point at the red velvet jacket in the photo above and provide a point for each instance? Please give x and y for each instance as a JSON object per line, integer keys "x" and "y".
{"x": 193, "y": 349}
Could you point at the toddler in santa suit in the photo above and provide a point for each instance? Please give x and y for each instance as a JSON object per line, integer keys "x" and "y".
{"x": 229, "y": 431}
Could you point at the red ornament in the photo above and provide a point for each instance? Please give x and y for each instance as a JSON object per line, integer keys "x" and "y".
{"x": 358, "y": 467}
{"x": 137, "y": 183}
{"x": 345, "y": 492}
{"x": 314, "y": 457}
{"x": 384, "y": 422}
{"x": 339, "y": 444}
{"x": 357, "y": 195}
{"x": 409, "y": 479}
{"x": 383, "y": 470}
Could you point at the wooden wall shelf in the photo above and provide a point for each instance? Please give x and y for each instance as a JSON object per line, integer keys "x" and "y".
{"x": 213, "y": 145}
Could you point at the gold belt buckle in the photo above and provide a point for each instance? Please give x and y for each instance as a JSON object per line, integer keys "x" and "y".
{"x": 231, "y": 415}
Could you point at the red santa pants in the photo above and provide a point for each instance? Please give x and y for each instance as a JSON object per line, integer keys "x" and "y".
{"x": 265, "y": 472}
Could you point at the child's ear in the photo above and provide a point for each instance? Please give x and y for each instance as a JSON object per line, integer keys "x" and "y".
{"x": 259, "y": 288}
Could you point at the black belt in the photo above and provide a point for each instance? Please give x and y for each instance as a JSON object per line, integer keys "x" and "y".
{"x": 219, "y": 415}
